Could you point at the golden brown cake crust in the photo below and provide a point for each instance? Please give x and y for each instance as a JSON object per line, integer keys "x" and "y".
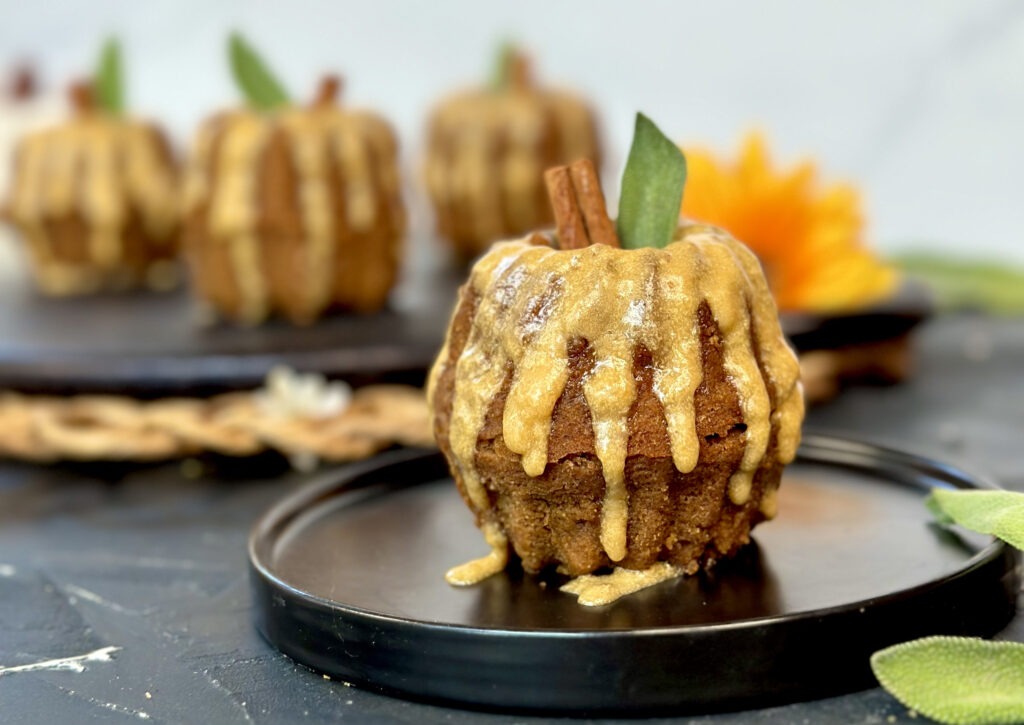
{"x": 555, "y": 518}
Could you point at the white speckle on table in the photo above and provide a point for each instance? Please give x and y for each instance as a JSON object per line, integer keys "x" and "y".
{"x": 70, "y": 664}
{"x": 141, "y": 714}
{"x": 112, "y": 706}
{"x": 240, "y": 705}
{"x": 7, "y": 570}
{"x": 80, "y": 593}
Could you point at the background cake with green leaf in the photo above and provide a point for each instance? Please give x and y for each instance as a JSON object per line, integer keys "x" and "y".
{"x": 96, "y": 198}
{"x": 487, "y": 150}
{"x": 620, "y": 395}
{"x": 292, "y": 210}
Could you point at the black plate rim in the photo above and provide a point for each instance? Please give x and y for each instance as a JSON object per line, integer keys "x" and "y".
{"x": 854, "y": 450}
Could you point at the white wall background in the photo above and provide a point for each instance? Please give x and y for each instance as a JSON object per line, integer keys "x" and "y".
{"x": 921, "y": 102}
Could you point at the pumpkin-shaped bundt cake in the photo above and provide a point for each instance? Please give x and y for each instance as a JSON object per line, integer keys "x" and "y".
{"x": 615, "y": 407}
{"x": 293, "y": 210}
{"x": 95, "y": 198}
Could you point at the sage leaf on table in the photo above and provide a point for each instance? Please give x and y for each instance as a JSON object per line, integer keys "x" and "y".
{"x": 998, "y": 513}
{"x": 108, "y": 82}
{"x": 957, "y": 680}
{"x": 258, "y": 84}
{"x": 961, "y": 679}
{"x": 652, "y": 188}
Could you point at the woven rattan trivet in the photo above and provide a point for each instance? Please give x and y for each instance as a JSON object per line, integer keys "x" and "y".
{"x": 301, "y": 417}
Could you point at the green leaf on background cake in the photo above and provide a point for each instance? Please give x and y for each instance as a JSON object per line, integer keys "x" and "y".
{"x": 997, "y": 513}
{"x": 261, "y": 89}
{"x": 959, "y": 284}
{"x": 501, "y": 75}
{"x": 956, "y": 679}
{"x": 108, "y": 83}
{"x": 652, "y": 188}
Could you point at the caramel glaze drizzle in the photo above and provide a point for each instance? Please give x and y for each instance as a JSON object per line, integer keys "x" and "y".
{"x": 102, "y": 168}
{"x": 221, "y": 183}
{"x": 533, "y": 300}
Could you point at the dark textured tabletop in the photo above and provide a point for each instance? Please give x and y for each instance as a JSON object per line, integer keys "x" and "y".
{"x": 124, "y": 592}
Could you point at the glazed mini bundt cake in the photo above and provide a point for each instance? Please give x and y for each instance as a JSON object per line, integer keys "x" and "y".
{"x": 607, "y": 407}
{"x": 487, "y": 150}
{"x": 95, "y": 199}
{"x": 294, "y": 211}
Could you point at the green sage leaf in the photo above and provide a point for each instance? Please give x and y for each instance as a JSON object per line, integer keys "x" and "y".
{"x": 652, "y": 188}
{"x": 998, "y": 513}
{"x": 956, "y": 679}
{"x": 502, "y": 72}
{"x": 108, "y": 83}
{"x": 258, "y": 84}
{"x": 959, "y": 284}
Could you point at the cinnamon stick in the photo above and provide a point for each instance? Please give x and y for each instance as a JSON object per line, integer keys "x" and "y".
{"x": 572, "y": 233}
{"x": 519, "y": 76}
{"x": 23, "y": 83}
{"x": 81, "y": 95}
{"x": 581, "y": 216}
{"x": 327, "y": 93}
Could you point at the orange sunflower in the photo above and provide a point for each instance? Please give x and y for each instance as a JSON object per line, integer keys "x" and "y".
{"x": 809, "y": 236}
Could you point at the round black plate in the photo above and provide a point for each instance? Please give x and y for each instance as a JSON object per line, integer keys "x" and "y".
{"x": 347, "y": 576}
{"x": 156, "y": 344}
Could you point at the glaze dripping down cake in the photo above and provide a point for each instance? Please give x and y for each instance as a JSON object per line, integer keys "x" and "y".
{"x": 95, "y": 199}
{"x": 608, "y": 407}
{"x": 295, "y": 212}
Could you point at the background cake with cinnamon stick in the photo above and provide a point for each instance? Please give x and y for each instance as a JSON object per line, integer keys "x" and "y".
{"x": 487, "y": 150}
{"x": 95, "y": 199}
{"x": 620, "y": 395}
{"x": 292, "y": 210}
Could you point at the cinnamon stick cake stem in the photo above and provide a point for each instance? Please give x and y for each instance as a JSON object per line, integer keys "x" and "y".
{"x": 81, "y": 96}
{"x": 327, "y": 93}
{"x": 577, "y": 200}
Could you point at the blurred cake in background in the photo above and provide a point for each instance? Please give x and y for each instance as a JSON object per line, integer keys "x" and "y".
{"x": 292, "y": 210}
{"x": 487, "y": 150}
{"x": 95, "y": 197}
{"x": 24, "y": 107}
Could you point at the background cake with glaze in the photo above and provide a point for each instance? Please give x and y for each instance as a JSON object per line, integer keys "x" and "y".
{"x": 293, "y": 210}
{"x": 95, "y": 200}
{"x": 487, "y": 150}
